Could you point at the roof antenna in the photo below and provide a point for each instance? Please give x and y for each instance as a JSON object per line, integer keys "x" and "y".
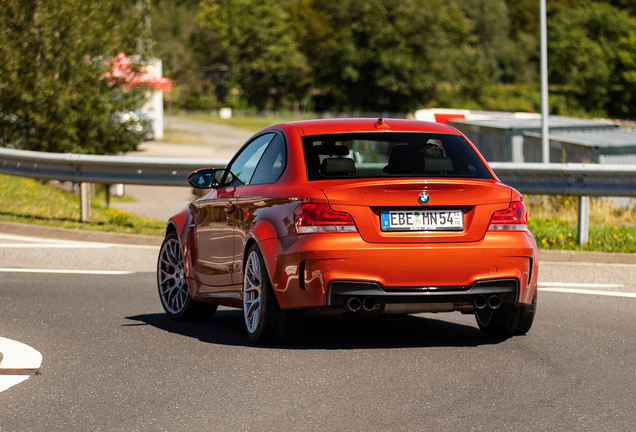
{"x": 381, "y": 124}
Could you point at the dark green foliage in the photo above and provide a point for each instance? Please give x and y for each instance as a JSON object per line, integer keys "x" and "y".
{"x": 491, "y": 30}
{"x": 186, "y": 51}
{"x": 387, "y": 54}
{"x": 593, "y": 58}
{"x": 53, "y": 57}
{"x": 254, "y": 39}
{"x": 399, "y": 55}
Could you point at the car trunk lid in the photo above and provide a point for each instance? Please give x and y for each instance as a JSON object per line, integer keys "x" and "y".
{"x": 474, "y": 201}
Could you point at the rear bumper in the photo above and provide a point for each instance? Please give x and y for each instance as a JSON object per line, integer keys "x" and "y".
{"x": 323, "y": 269}
{"x": 340, "y": 291}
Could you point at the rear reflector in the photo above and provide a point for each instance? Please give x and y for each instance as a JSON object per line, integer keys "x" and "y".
{"x": 314, "y": 218}
{"x": 514, "y": 218}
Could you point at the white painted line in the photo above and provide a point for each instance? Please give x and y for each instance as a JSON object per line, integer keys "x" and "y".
{"x": 8, "y": 381}
{"x": 16, "y": 355}
{"x": 27, "y": 241}
{"x": 585, "y": 264}
{"x": 590, "y": 292}
{"x": 54, "y": 246}
{"x": 31, "y": 239}
{"x": 577, "y": 285}
{"x": 88, "y": 272}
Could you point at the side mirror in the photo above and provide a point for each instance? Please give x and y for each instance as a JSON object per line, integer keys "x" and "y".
{"x": 205, "y": 178}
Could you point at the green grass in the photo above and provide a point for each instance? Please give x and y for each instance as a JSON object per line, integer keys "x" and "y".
{"x": 559, "y": 235}
{"x": 182, "y": 136}
{"x": 553, "y": 219}
{"x": 246, "y": 122}
{"x": 37, "y": 202}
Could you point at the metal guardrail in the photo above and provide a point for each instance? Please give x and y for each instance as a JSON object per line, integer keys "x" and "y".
{"x": 568, "y": 179}
{"x": 581, "y": 180}
{"x": 81, "y": 168}
{"x": 530, "y": 178}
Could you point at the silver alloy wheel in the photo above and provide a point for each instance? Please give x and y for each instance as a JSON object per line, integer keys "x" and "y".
{"x": 252, "y": 289}
{"x": 173, "y": 287}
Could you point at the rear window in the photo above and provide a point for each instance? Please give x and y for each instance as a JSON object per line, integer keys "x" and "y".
{"x": 391, "y": 154}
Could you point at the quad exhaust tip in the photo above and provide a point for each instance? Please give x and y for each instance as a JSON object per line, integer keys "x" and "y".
{"x": 369, "y": 304}
{"x": 482, "y": 302}
{"x": 494, "y": 302}
{"x": 354, "y": 304}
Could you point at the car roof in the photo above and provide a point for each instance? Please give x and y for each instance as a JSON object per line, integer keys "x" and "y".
{"x": 343, "y": 125}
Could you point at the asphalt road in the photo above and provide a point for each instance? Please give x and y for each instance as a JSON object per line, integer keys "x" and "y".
{"x": 113, "y": 361}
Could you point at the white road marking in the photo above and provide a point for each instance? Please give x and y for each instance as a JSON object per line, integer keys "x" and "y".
{"x": 43, "y": 243}
{"x": 590, "y": 292}
{"x": 584, "y": 264}
{"x": 31, "y": 239}
{"x": 576, "y": 285}
{"x": 584, "y": 288}
{"x": 62, "y": 271}
{"x": 16, "y": 355}
{"x": 55, "y": 245}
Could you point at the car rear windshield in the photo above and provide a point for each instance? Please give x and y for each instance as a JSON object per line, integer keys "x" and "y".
{"x": 391, "y": 154}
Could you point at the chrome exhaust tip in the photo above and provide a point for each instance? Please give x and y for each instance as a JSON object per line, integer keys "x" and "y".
{"x": 369, "y": 304}
{"x": 354, "y": 304}
{"x": 480, "y": 302}
{"x": 494, "y": 302}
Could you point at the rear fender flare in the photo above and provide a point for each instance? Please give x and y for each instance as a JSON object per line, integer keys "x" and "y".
{"x": 179, "y": 223}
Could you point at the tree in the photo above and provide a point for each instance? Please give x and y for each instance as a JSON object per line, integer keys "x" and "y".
{"x": 54, "y": 57}
{"x": 386, "y": 54}
{"x": 186, "y": 51}
{"x": 253, "y": 38}
{"x": 592, "y": 57}
{"x": 491, "y": 28}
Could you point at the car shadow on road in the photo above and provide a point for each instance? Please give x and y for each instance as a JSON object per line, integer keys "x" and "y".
{"x": 332, "y": 332}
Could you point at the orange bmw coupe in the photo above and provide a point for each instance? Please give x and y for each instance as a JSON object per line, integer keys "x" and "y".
{"x": 373, "y": 217}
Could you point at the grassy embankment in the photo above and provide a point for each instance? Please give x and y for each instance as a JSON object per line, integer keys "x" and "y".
{"x": 247, "y": 123}
{"x": 36, "y": 202}
{"x": 251, "y": 123}
{"x": 553, "y": 222}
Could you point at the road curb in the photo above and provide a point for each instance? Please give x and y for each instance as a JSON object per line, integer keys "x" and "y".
{"x": 78, "y": 234}
{"x": 582, "y": 256}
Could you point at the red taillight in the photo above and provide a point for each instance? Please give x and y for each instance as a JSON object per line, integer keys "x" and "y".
{"x": 514, "y": 218}
{"x": 311, "y": 218}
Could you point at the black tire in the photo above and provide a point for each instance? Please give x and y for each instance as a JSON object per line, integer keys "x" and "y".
{"x": 265, "y": 321}
{"x": 173, "y": 285}
{"x": 527, "y": 317}
{"x": 507, "y": 320}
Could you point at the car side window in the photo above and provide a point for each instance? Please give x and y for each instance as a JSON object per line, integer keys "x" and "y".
{"x": 272, "y": 163}
{"x": 240, "y": 172}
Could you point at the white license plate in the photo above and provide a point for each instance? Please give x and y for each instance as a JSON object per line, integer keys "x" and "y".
{"x": 422, "y": 220}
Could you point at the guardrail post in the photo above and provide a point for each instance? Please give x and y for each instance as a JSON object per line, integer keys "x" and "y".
{"x": 85, "y": 201}
{"x": 107, "y": 193}
{"x": 583, "y": 227}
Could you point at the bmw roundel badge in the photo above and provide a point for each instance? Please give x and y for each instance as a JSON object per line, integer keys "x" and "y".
{"x": 423, "y": 198}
